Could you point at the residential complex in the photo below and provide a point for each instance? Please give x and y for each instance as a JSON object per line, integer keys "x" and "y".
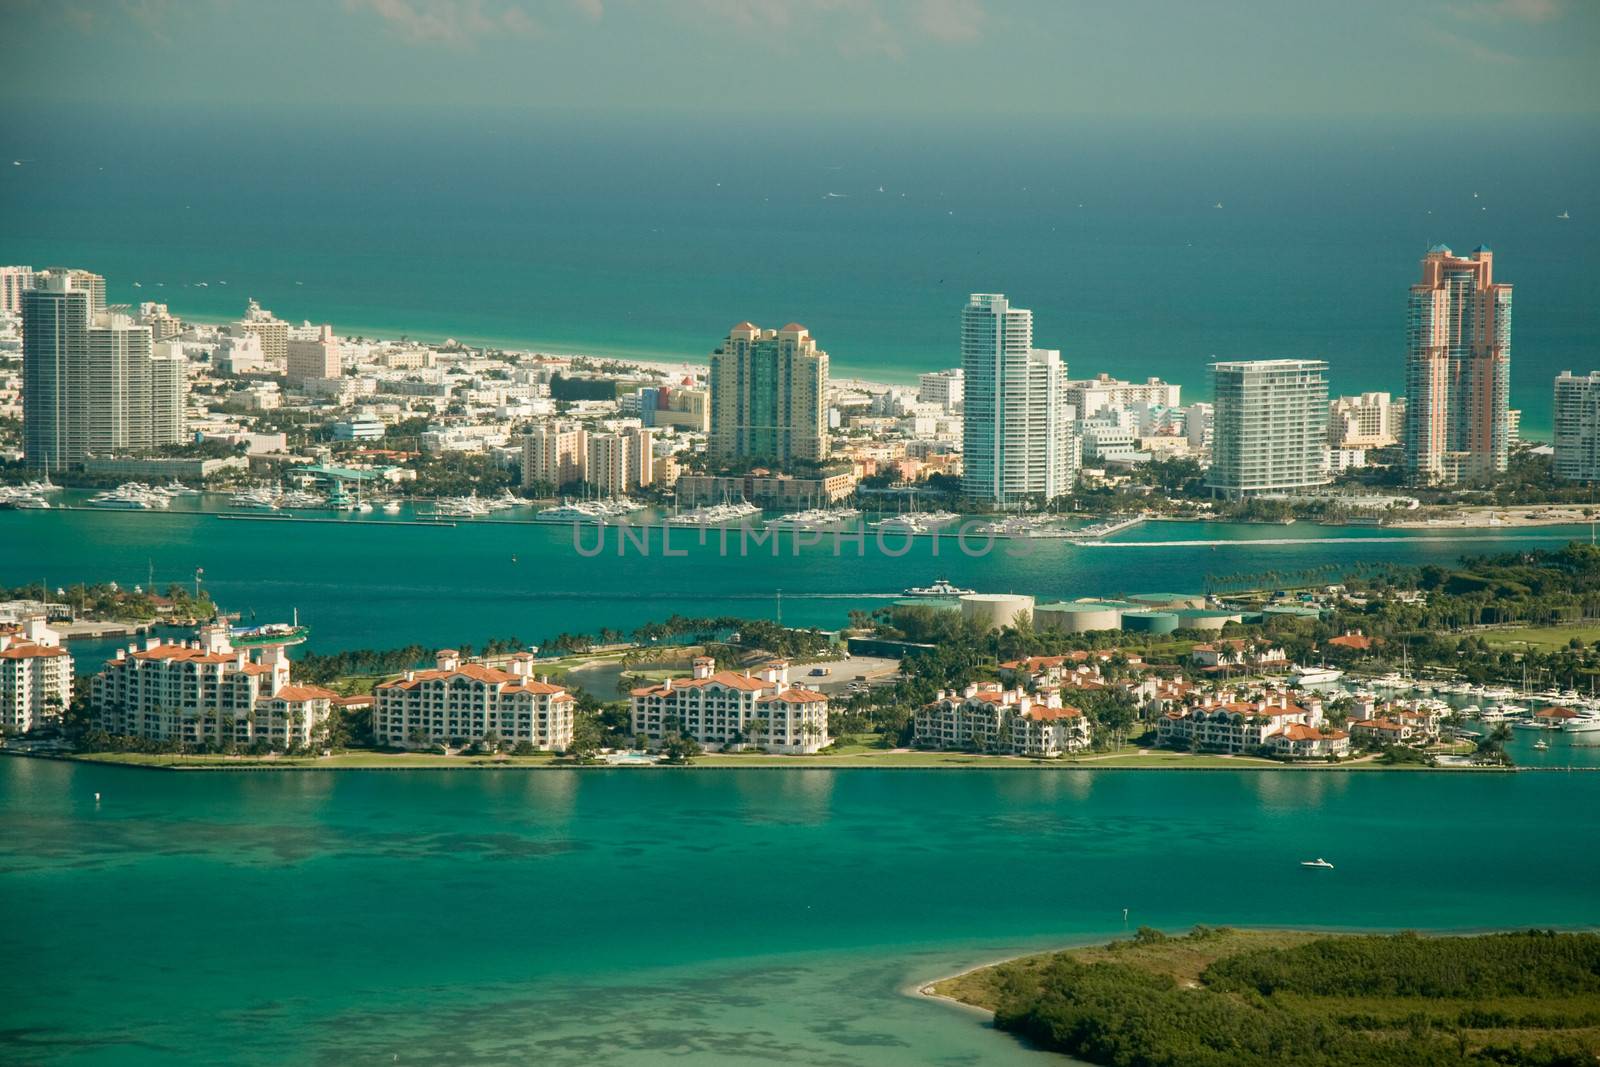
{"x": 721, "y": 709}
{"x": 554, "y": 453}
{"x": 768, "y": 396}
{"x": 1577, "y": 426}
{"x": 1371, "y": 420}
{"x": 1270, "y": 426}
{"x": 35, "y": 677}
{"x": 988, "y": 718}
{"x": 1266, "y": 723}
{"x": 93, "y": 381}
{"x": 618, "y": 463}
{"x": 465, "y": 702}
{"x": 13, "y": 281}
{"x": 1458, "y": 370}
{"x": 1018, "y": 442}
{"x": 945, "y": 389}
{"x": 208, "y": 692}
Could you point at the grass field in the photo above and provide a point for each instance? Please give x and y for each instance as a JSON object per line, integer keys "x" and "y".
{"x": 1543, "y": 638}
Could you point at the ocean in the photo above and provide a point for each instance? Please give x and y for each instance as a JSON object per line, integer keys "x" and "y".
{"x": 634, "y": 917}
{"x": 1143, "y": 247}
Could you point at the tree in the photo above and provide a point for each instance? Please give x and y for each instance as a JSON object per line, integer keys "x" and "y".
{"x": 680, "y": 749}
{"x": 587, "y": 737}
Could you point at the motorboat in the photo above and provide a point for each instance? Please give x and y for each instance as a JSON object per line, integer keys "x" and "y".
{"x": 940, "y": 588}
{"x": 1589, "y": 724}
{"x": 1541, "y": 744}
{"x": 392, "y": 508}
{"x": 1304, "y": 676}
{"x": 1319, "y": 862}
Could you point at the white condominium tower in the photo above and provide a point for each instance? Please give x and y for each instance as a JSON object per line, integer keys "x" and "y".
{"x": 13, "y": 280}
{"x": 93, "y": 382}
{"x": 1018, "y": 440}
{"x": 1458, "y": 369}
{"x": 1269, "y": 426}
{"x": 1577, "y": 425}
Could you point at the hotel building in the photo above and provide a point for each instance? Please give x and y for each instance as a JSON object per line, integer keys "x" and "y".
{"x": 618, "y": 463}
{"x": 1018, "y": 435}
{"x": 1458, "y": 370}
{"x": 314, "y": 356}
{"x": 1269, "y": 426}
{"x": 1577, "y": 425}
{"x": 988, "y": 718}
{"x": 203, "y": 691}
{"x": 272, "y": 331}
{"x": 35, "y": 677}
{"x": 768, "y": 389}
{"x": 460, "y": 703}
{"x": 723, "y": 708}
{"x": 1371, "y": 420}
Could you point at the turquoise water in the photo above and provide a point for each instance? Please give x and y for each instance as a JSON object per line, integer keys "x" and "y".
{"x": 368, "y": 582}
{"x": 636, "y": 917}
{"x": 638, "y": 238}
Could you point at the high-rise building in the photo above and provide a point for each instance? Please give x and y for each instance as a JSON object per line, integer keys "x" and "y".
{"x": 1371, "y": 420}
{"x": 1577, "y": 426}
{"x": 13, "y": 280}
{"x": 312, "y": 356}
{"x": 943, "y": 387}
{"x": 1458, "y": 369}
{"x": 1269, "y": 426}
{"x": 554, "y": 453}
{"x": 92, "y": 380}
{"x": 767, "y": 394}
{"x": 1018, "y": 439}
{"x": 273, "y": 331}
{"x": 1090, "y": 396}
{"x": 87, "y": 280}
{"x": 618, "y": 463}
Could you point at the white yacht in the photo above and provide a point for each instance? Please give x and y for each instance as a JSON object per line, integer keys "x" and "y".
{"x": 1304, "y": 676}
{"x": 392, "y": 507}
{"x": 1589, "y": 724}
{"x": 716, "y": 514}
{"x": 938, "y": 588}
{"x": 1319, "y": 862}
{"x": 29, "y": 502}
{"x": 263, "y": 498}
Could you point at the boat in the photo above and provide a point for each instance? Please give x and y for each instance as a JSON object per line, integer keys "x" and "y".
{"x": 1319, "y": 862}
{"x": 1541, "y": 744}
{"x": 1304, "y": 676}
{"x": 29, "y": 502}
{"x": 131, "y": 496}
{"x": 272, "y": 633}
{"x": 716, "y": 514}
{"x": 260, "y": 499}
{"x": 392, "y": 508}
{"x": 938, "y": 588}
{"x": 1587, "y": 725}
{"x": 1533, "y": 724}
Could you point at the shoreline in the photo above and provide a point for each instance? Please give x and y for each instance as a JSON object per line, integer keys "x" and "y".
{"x": 373, "y": 761}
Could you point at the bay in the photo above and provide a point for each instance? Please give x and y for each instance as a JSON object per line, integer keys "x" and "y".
{"x": 369, "y": 582}
{"x": 724, "y": 917}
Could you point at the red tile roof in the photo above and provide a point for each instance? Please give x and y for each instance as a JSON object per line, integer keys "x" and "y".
{"x": 295, "y": 694}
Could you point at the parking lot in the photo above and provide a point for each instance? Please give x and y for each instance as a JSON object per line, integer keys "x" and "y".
{"x": 843, "y": 675}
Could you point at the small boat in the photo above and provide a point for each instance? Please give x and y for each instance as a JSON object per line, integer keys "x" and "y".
{"x": 1564, "y": 215}
{"x": 392, "y": 508}
{"x": 938, "y": 588}
{"x": 1541, "y": 744}
{"x": 1318, "y": 862}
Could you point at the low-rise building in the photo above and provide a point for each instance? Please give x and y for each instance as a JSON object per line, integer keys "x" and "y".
{"x": 1237, "y": 653}
{"x": 207, "y": 692}
{"x": 35, "y": 677}
{"x": 459, "y": 703}
{"x": 1227, "y": 723}
{"x": 721, "y": 709}
{"x": 988, "y": 718}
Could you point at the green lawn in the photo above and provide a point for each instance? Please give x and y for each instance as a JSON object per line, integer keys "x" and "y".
{"x": 1543, "y": 638}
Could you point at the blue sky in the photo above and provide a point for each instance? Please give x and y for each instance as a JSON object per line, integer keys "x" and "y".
{"x": 913, "y": 58}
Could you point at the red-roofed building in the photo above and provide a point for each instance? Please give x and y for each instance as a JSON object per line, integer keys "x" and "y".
{"x": 208, "y": 692}
{"x": 1295, "y": 741}
{"x": 722, "y": 709}
{"x": 1216, "y": 723}
{"x": 988, "y": 718}
{"x": 1354, "y": 641}
{"x": 35, "y": 677}
{"x": 459, "y": 703}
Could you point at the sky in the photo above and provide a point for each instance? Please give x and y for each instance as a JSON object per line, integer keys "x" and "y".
{"x": 927, "y": 59}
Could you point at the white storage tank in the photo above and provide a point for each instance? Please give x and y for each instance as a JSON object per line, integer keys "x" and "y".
{"x": 1078, "y": 616}
{"x": 995, "y": 611}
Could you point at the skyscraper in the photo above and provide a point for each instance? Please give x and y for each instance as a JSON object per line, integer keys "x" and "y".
{"x": 1458, "y": 369}
{"x": 93, "y": 382}
{"x": 1269, "y": 426}
{"x": 13, "y": 280}
{"x": 767, "y": 394}
{"x": 1577, "y": 425}
{"x": 1018, "y": 437}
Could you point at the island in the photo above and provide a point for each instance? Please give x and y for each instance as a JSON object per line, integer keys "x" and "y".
{"x": 1221, "y": 996}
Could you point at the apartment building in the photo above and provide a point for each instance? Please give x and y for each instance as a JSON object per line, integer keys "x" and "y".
{"x": 1270, "y": 426}
{"x": 989, "y": 718}
{"x": 207, "y": 691}
{"x": 464, "y": 702}
{"x": 35, "y": 677}
{"x": 729, "y": 708}
{"x": 1222, "y": 722}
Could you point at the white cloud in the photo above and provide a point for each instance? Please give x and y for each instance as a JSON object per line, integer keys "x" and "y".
{"x": 450, "y": 22}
